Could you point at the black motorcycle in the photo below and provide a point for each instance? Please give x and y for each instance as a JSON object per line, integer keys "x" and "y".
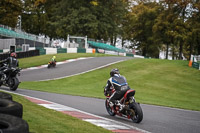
{"x": 8, "y": 77}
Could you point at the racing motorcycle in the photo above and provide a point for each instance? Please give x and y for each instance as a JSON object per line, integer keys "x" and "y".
{"x": 9, "y": 77}
{"x": 51, "y": 64}
{"x": 131, "y": 109}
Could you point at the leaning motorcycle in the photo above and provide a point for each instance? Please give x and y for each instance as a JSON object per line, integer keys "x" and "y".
{"x": 9, "y": 77}
{"x": 51, "y": 64}
{"x": 131, "y": 109}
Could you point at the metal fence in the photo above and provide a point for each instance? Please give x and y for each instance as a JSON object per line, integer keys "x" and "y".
{"x": 17, "y": 33}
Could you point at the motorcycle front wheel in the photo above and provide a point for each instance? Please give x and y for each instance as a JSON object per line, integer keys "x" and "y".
{"x": 138, "y": 116}
{"x": 13, "y": 83}
{"x": 109, "y": 109}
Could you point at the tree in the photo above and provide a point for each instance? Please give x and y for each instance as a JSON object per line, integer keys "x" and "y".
{"x": 9, "y": 12}
{"x": 139, "y": 27}
{"x": 193, "y": 38}
{"x": 34, "y": 17}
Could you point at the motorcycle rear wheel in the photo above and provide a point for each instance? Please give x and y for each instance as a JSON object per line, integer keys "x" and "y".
{"x": 13, "y": 83}
{"x": 137, "y": 118}
{"x": 109, "y": 109}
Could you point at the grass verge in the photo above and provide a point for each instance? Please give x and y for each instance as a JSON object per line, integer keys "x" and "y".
{"x": 158, "y": 82}
{"x": 43, "y": 120}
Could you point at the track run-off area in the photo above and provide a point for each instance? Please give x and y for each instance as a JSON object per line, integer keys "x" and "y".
{"x": 156, "y": 119}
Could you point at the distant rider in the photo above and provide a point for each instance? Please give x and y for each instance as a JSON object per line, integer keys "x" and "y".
{"x": 120, "y": 85}
{"x": 53, "y": 59}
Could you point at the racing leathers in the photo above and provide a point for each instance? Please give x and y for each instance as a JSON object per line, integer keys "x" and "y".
{"x": 11, "y": 62}
{"x": 120, "y": 85}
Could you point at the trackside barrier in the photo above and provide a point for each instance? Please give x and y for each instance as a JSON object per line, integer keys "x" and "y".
{"x": 32, "y": 48}
{"x": 194, "y": 61}
{"x": 51, "y": 50}
{"x": 42, "y": 50}
{"x": 138, "y": 56}
{"x": 71, "y": 50}
{"x": 1, "y": 51}
{"x": 46, "y": 50}
{"x": 122, "y": 54}
{"x": 90, "y": 50}
{"x": 196, "y": 65}
{"x": 62, "y": 50}
{"x": 4, "y": 56}
{"x": 128, "y": 54}
{"x": 18, "y": 49}
{"x": 81, "y": 50}
{"x": 28, "y": 53}
{"x": 21, "y": 54}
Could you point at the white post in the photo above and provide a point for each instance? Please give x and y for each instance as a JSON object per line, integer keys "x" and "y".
{"x": 68, "y": 41}
{"x": 86, "y": 45}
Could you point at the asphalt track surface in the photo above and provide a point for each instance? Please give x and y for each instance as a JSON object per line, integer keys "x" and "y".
{"x": 68, "y": 69}
{"x": 156, "y": 119}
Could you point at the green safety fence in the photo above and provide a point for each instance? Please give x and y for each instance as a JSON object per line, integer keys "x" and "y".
{"x": 81, "y": 50}
{"x": 61, "y": 50}
{"x": 1, "y": 50}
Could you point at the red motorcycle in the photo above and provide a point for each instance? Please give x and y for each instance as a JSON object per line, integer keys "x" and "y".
{"x": 131, "y": 109}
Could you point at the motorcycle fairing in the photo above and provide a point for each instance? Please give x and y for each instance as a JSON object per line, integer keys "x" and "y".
{"x": 129, "y": 93}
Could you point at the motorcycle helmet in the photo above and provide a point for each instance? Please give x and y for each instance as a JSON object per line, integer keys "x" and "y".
{"x": 13, "y": 55}
{"x": 54, "y": 57}
{"x": 114, "y": 71}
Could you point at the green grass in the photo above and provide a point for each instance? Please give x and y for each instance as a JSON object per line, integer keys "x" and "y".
{"x": 43, "y": 120}
{"x": 44, "y": 59}
{"x": 158, "y": 82}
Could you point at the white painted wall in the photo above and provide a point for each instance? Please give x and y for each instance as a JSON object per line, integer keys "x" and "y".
{"x": 71, "y": 50}
{"x": 51, "y": 50}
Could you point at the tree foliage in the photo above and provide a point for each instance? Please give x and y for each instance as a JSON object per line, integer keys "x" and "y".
{"x": 9, "y": 12}
{"x": 170, "y": 25}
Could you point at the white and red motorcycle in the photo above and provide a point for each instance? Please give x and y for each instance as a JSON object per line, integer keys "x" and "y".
{"x": 131, "y": 109}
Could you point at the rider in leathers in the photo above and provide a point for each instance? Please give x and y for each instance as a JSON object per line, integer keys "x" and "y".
{"x": 120, "y": 85}
{"x": 11, "y": 61}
